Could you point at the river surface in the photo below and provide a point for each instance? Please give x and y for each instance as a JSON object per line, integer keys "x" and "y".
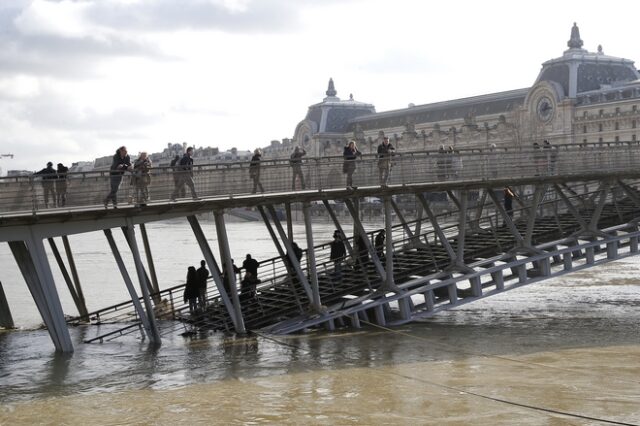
{"x": 562, "y": 352}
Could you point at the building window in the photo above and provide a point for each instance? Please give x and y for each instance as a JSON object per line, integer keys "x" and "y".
{"x": 600, "y": 127}
{"x": 634, "y": 108}
{"x": 617, "y": 110}
{"x": 601, "y": 112}
{"x": 617, "y": 138}
{"x": 584, "y": 129}
{"x": 584, "y": 114}
{"x": 600, "y": 140}
{"x": 633, "y": 138}
{"x": 633, "y": 124}
{"x": 617, "y": 126}
{"x": 584, "y": 140}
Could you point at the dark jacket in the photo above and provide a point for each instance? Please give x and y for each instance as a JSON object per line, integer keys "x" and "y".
{"x": 349, "y": 165}
{"x": 48, "y": 173}
{"x": 186, "y": 164}
{"x": 251, "y": 266}
{"x": 202, "y": 275}
{"x": 191, "y": 290}
{"x": 296, "y": 158}
{"x": 119, "y": 165}
{"x": 254, "y": 166}
{"x": 338, "y": 251}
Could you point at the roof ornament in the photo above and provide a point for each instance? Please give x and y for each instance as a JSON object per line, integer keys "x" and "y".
{"x": 331, "y": 91}
{"x": 575, "y": 42}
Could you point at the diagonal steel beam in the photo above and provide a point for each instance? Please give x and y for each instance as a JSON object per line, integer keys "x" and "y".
{"x": 360, "y": 232}
{"x": 436, "y": 227}
{"x": 506, "y": 218}
{"x": 531, "y": 220}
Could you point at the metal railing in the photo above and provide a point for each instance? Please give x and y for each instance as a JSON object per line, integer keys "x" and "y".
{"x": 26, "y": 194}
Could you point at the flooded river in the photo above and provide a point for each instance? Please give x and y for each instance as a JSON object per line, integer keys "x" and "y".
{"x": 560, "y": 352}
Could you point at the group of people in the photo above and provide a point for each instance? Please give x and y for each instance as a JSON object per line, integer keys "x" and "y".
{"x": 141, "y": 176}
{"x": 54, "y": 184}
{"x": 385, "y": 154}
{"x": 195, "y": 291}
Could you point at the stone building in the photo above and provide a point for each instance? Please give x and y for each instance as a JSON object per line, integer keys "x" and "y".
{"x": 578, "y": 97}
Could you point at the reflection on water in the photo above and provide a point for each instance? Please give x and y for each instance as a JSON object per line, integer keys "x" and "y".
{"x": 569, "y": 345}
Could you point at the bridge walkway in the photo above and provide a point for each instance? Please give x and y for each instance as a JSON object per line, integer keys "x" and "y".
{"x": 281, "y": 300}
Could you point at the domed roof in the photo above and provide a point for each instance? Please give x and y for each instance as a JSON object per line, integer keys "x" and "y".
{"x": 578, "y": 70}
{"x": 332, "y": 115}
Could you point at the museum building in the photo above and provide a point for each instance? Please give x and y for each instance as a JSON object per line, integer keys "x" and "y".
{"x": 578, "y": 97}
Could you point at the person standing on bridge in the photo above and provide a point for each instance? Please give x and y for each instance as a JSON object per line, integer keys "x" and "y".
{"x": 385, "y": 152}
{"x": 296, "y": 164}
{"x": 254, "y": 170}
{"x": 141, "y": 178}
{"x": 338, "y": 252}
{"x": 191, "y": 290}
{"x": 349, "y": 165}
{"x": 61, "y": 185}
{"x": 176, "y": 176}
{"x": 120, "y": 164}
{"x": 508, "y": 202}
{"x": 185, "y": 175}
{"x": 48, "y": 178}
{"x": 202, "y": 274}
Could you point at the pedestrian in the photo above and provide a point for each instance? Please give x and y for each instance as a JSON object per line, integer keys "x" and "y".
{"x": 120, "y": 164}
{"x": 338, "y": 252}
{"x": 191, "y": 290}
{"x": 349, "y": 165}
{"x": 441, "y": 163}
{"x": 296, "y": 165}
{"x": 185, "y": 175}
{"x": 142, "y": 178}
{"x": 551, "y": 156}
{"x": 49, "y": 176}
{"x": 378, "y": 244}
{"x": 202, "y": 274}
{"x": 250, "y": 280}
{"x": 61, "y": 185}
{"x": 540, "y": 159}
{"x": 508, "y": 202}
{"x": 360, "y": 248}
{"x": 254, "y": 170}
{"x": 385, "y": 151}
{"x": 250, "y": 266}
{"x": 174, "y": 168}
{"x": 456, "y": 163}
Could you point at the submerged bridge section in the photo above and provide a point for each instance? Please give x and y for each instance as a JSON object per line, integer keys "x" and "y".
{"x": 576, "y": 206}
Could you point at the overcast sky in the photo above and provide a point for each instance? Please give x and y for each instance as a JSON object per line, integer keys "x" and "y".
{"x": 80, "y": 78}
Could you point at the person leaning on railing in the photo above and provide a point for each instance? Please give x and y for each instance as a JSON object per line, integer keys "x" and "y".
{"x": 349, "y": 165}
{"x": 120, "y": 164}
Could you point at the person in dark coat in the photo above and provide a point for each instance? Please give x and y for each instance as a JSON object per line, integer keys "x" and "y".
{"x": 296, "y": 165}
{"x": 338, "y": 252}
{"x": 185, "y": 175}
{"x": 61, "y": 185}
{"x": 49, "y": 176}
{"x": 202, "y": 275}
{"x": 120, "y": 164}
{"x": 349, "y": 165}
{"x": 250, "y": 280}
{"x": 250, "y": 266}
{"x": 508, "y": 202}
{"x": 360, "y": 248}
{"x": 191, "y": 289}
{"x": 378, "y": 244}
{"x": 254, "y": 170}
{"x": 385, "y": 151}
{"x": 176, "y": 176}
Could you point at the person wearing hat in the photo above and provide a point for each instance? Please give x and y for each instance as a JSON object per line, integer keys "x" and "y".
{"x": 48, "y": 178}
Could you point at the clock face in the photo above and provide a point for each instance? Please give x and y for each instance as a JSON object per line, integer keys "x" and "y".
{"x": 544, "y": 109}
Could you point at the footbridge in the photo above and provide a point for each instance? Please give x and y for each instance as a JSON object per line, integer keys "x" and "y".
{"x": 449, "y": 238}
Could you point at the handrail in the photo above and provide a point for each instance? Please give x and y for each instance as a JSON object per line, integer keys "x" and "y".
{"x": 28, "y": 194}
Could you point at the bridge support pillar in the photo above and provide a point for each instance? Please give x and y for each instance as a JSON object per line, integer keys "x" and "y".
{"x": 355, "y": 320}
{"x": 590, "y": 254}
{"x": 75, "y": 295}
{"x": 379, "y": 313}
{"x": 476, "y": 286}
{"x": 32, "y": 261}
{"x": 311, "y": 257}
{"x": 429, "y": 300}
{"x": 6, "y": 321}
{"x": 498, "y": 280}
{"x": 452, "y": 291}
{"x": 612, "y": 250}
{"x": 144, "y": 283}
{"x": 567, "y": 260}
{"x": 129, "y": 284}
{"x": 633, "y": 244}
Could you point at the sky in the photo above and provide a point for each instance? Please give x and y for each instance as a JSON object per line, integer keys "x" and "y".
{"x": 79, "y": 78}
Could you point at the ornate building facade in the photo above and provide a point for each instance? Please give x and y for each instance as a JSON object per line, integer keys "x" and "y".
{"x": 578, "y": 97}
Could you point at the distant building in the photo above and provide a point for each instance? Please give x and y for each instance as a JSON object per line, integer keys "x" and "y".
{"x": 578, "y": 97}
